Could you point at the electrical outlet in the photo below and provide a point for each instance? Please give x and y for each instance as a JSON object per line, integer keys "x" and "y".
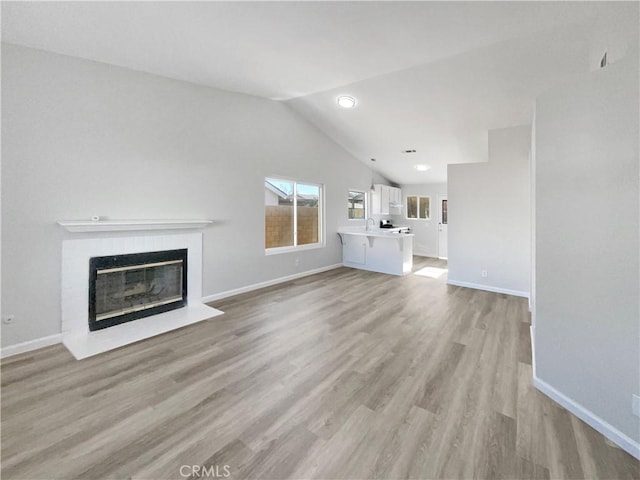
{"x": 484, "y": 274}
{"x": 8, "y": 319}
{"x": 297, "y": 262}
{"x": 635, "y": 405}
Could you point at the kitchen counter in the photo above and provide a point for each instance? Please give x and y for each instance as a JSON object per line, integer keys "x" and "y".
{"x": 374, "y": 232}
{"x": 377, "y": 250}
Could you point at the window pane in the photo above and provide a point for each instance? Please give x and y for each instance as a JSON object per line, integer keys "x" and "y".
{"x": 356, "y": 205}
{"x": 425, "y": 208}
{"x": 412, "y": 207}
{"x": 278, "y": 223}
{"x": 308, "y": 214}
{"x": 445, "y": 216}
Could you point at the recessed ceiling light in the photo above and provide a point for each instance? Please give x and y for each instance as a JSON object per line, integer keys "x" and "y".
{"x": 346, "y": 102}
{"x": 422, "y": 168}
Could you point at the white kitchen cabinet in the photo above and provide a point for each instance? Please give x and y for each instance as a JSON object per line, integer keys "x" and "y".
{"x": 380, "y": 199}
{"x": 378, "y": 250}
{"x": 384, "y": 200}
{"x": 354, "y": 250}
{"x": 395, "y": 201}
{"x": 392, "y": 195}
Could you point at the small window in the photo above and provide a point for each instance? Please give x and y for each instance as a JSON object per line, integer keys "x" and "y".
{"x": 356, "y": 207}
{"x": 445, "y": 213}
{"x": 293, "y": 215}
{"x": 424, "y": 212}
{"x": 418, "y": 208}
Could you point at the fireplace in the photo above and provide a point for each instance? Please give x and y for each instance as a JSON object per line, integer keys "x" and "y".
{"x": 128, "y": 287}
{"x": 77, "y": 278}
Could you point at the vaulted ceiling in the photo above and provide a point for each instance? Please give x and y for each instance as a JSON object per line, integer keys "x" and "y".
{"x": 429, "y": 76}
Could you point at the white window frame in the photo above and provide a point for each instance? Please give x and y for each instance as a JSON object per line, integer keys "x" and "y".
{"x": 366, "y": 204}
{"x": 321, "y": 221}
{"x": 417, "y": 197}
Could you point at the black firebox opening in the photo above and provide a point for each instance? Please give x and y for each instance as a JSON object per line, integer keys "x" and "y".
{"x": 127, "y": 287}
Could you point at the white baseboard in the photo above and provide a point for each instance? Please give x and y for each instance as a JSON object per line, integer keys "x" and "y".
{"x": 489, "y": 288}
{"x": 532, "y": 335}
{"x": 268, "y": 283}
{"x": 616, "y": 436}
{"x": 30, "y": 345}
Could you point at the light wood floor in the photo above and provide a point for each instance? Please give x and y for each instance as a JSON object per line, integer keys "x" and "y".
{"x": 345, "y": 374}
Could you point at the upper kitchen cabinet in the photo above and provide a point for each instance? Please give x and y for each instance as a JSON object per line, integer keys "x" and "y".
{"x": 386, "y": 200}
{"x": 380, "y": 200}
{"x": 395, "y": 201}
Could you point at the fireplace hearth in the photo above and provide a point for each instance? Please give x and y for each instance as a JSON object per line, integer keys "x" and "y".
{"x": 123, "y": 288}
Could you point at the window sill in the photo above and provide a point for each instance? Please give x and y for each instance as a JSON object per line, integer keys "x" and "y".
{"x": 279, "y": 250}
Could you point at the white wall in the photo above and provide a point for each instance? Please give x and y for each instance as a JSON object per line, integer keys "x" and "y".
{"x": 615, "y": 31}
{"x": 425, "y": 242}
{"x": 587, "y": 245}
{"x": 532, "y": 241}
{"x": 489, "y": 216}
{"x": 82, "y": 138}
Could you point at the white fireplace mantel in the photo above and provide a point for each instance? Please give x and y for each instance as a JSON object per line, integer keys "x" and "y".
{"x": 85, "y": 226}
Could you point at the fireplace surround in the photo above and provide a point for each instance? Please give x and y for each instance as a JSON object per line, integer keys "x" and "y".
{"x": 76, "y": 257}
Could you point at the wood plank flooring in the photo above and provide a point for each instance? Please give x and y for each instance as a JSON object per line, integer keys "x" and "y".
{"x": 342, "y": 375}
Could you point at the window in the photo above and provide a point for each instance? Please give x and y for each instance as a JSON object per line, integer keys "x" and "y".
{"x": 445, "y": 213}
{"x": 418, "y": 208}
{"x": 356, "y": 205}
{"x": 293, "y": 215}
